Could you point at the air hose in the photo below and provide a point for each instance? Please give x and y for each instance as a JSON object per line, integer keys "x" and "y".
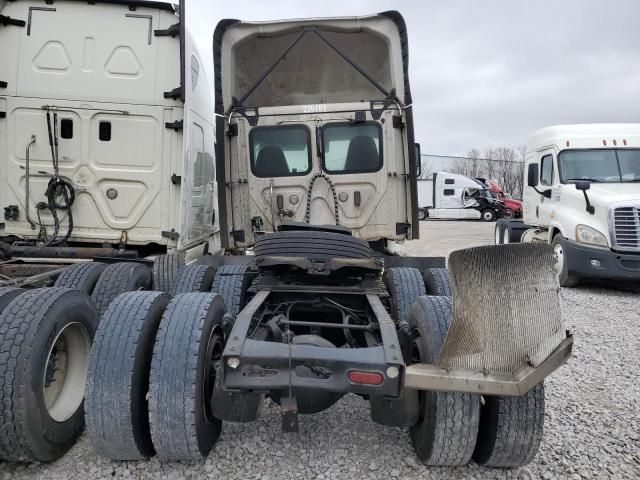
{"x": 307, "y": 215}
{"x": 57, "y": 187}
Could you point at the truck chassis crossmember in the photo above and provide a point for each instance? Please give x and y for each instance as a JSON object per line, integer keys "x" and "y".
{"x": 258, "y": 365}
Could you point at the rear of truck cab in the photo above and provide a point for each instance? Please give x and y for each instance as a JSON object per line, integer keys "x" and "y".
{"x": 328, "y": 100}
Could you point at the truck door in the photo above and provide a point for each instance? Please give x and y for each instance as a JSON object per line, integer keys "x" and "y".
{"x": 548, "y": 179}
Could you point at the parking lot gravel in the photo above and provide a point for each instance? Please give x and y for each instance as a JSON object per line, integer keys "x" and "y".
{"x": 592, "y": 427}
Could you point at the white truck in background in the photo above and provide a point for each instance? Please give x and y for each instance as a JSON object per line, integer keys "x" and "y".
{"x": 583, "y": 197}
{"x": 450, "y": 196}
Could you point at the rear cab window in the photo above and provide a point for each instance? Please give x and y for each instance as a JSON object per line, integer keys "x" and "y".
{"x": 352, "y": 148}
{"x": 280, "y": 151}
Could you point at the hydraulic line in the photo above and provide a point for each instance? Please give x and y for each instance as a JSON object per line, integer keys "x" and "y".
{"x": 57, "y": 187}
{"x": 26, "y": 180}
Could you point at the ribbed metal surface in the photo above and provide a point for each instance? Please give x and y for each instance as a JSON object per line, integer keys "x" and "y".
{"x": 626, "y": 227}
{"x": 506, "y": 308}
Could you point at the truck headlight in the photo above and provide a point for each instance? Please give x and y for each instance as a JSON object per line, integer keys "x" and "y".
{"x": 585, "y": 234}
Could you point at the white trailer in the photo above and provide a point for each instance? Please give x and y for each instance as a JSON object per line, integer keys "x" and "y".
{"x": 106, "y": 131}
{"x": 452, "y": 196}
{"x": 583, "y": 197}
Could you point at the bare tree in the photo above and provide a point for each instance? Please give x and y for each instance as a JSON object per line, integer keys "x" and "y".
{"x": 489, "y": 163}
{"x": 521, "y": 155}
{"x": 505, "y": 165}
{"x": 426, "y": 169}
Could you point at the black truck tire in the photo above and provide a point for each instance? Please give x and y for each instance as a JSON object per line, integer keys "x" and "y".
{"x": 513, "y": 230}
{"x": 317, "y": 245}
{"x": 510, "y": 429}
{"x": 194, "y": 278}
{"x": 165, "y": 269}
{"x": 488, "y": 215}
{"x": 446, "y": 432}
{"x": 7, "y": 294}
{"x": 231, "y": 283}
{"x": 45, "y": 337}
{"x": 187, "y": 350}
{"x": 437, "y": 282}
{"x": 118, "y": 278}
{"x": 116, "y": 407}
{"x": 404, "y": 285}
{"x": 81, "y": 276}
{"x": 499, "y": 230}
{"x": 422, "y": 214}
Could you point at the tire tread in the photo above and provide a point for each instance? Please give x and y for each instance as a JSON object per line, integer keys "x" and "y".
{"x": 123, "y": 340}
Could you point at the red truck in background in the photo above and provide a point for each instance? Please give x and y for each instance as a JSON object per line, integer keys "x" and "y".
{"x": 513, "y": 207}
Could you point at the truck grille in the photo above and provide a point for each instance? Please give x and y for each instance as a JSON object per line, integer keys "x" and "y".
{"x": 626, "y": 228}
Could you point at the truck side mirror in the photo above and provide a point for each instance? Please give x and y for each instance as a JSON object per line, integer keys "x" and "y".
{"x": 583, "y": 185}
{"x": 532, "y": 175}
{"x": 418, "y": 160}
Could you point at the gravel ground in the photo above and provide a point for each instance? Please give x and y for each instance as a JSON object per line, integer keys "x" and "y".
{"x": 592, "y": 427}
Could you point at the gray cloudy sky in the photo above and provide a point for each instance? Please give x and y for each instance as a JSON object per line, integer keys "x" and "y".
{"x": 488, "y": 73}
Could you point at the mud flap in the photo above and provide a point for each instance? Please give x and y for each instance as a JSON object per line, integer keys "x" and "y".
{"x": 234, "y": 407}
{"x": 506, "y": 308}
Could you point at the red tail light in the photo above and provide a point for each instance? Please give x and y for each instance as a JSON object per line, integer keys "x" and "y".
{"x": 365, "y": 378}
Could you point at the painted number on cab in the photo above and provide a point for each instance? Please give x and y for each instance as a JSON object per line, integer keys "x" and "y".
{"x": 314, "y": 108}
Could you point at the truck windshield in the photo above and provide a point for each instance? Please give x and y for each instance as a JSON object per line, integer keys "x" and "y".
{"x": 602, "y": 166}
{"x": 352, "y": 148}
{"x": 280, "y": 151}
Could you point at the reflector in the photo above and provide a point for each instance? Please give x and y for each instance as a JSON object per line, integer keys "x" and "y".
{"x": 365, "y": 378}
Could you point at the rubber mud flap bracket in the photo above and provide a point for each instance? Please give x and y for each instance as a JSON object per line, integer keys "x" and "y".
{"x": 289, "y": 411}
{"x": 3, "y": 84}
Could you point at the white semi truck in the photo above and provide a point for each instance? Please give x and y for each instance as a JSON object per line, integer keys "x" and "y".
{"x": 451, "y": 196}
{"x": 316, "y": 181}
{"x": 583, "y": 198}
{"x": 106, "y": 140}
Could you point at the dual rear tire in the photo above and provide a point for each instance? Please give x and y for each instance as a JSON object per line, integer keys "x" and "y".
{"x": 166, "y": 351}
{"x": 455, "y": 428}
{"x": 45, "y": 337}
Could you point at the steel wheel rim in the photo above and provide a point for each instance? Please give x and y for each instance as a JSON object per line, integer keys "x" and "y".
{"x": 215, "y": 347}
{"x": 65, "y": 372}
{"x": 487, "y": 216}
{"x": 558, "y": 253}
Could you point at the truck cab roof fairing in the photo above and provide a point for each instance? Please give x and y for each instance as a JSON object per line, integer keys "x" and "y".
{"x": 311, "y": 72}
